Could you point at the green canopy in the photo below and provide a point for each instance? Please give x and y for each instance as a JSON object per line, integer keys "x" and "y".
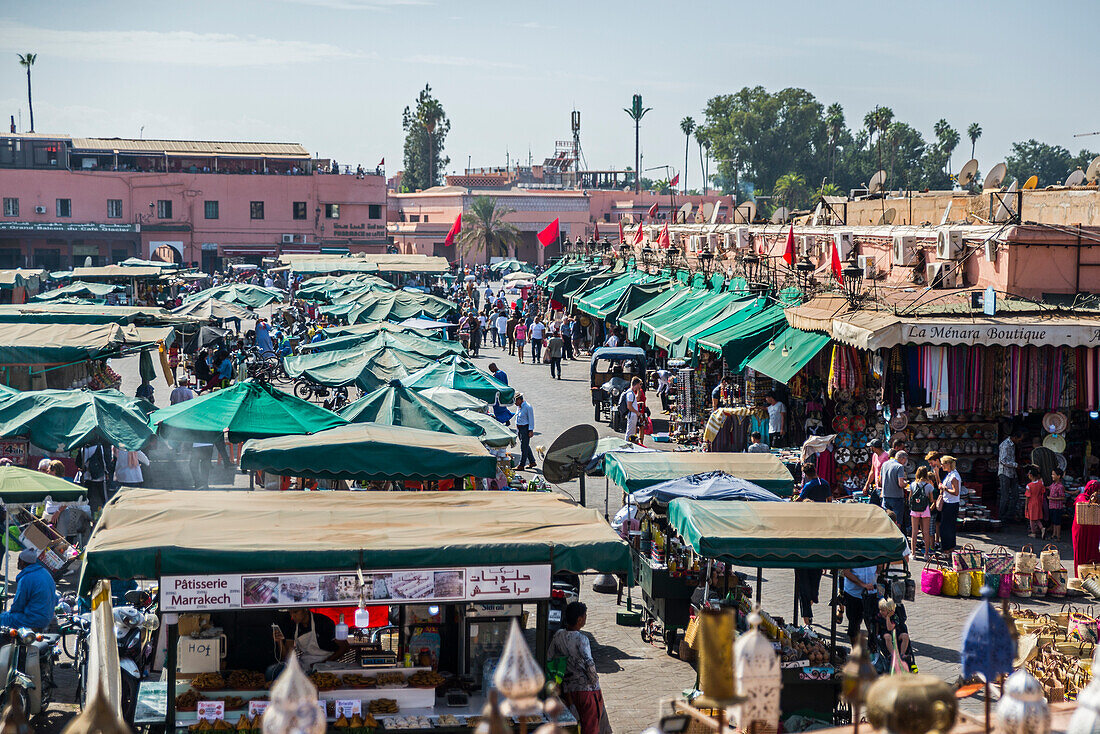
{"x": 459, "y": 373}
{"x": 367, "y": 370}
{"x": 496, "y": 434}
{"x": 634, "y": 471}
{"x": 327, "y": 287}
{"x": 672, "y": 334}
{"x": 212, "y": 309}
{"x": 33, "y": 343}
{"x": 87, "y": 313}
{"x": 63, "y": 420}
{"x": 137, "y": 262}
{"x": 247, "y": 410}
{"x": 629, "y": 320}
{"x": 376, "y": 326}
{"x": 788, "y": 534}
{"x": 738, "y": 342}
{"x": 454, "y": 399}
{"x": 371, "y": 342}
{"x": 398, "y": 306}
{"x": 397, "y": 405}
{"x": 794, "y": 348}
{"x": 722, "y": 322}
{"x": 697, "y": 301}
{"x": 608, "y": 293}
{"x": 20, "y": 486}
{"x": 551, "y": 272}
{"x": 80, "y": 289}
{"x": 334, "y": 265}
{"x": 632, "y": 297}
{"x": 147, "y": 533}
{"x": 245, "y": 294}
{"x": 371, "y": 452}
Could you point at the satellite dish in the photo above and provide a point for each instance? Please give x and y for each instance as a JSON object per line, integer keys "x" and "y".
{"x": 88, "y": 261}
{"x": 995, "y": 177}
{"x": 744, "y": 213}
{"x": 685, "y": 212}
{"x": 1031, "y": 182}
{"x": 569, "y": 455}
{"x": 876, "y": 182}
{"x": 968, "y": 172}
{"x": 1093, "y": 171}
{"x": 780, "y": 215}
{"x": 1077, "y": 178}
{"x": 715, "y": 212}
{"x": 1004, "y": 205}
{"x": 705, "y": 209}
{"x": 887, "y": 217}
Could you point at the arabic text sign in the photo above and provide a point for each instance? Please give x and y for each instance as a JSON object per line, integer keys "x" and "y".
{"x": 507, "y": 582}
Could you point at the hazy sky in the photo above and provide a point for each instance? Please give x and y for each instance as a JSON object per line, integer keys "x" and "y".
{"x": 336, "y": 74}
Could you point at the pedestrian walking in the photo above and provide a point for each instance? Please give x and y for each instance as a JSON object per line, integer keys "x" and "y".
{"x": 97, "y": 468}
{"x": 502, "y": 328}
{"x": 859, "y": 589}
{"x": 520, "y": 333}
{"x": 633, "y": 410}
{"x": 580, "y": 686}
{"x": 894, "y": 485}
{"x": 1036, "y": 495}
{"x": 1008, "y": 484}
{"x": 567, "y": 337}
{"x": 128, "y": 467}
{"x": 950, "y": 491}
{"x": 511, "y": 331}
{"x": 920, "y": 509}
{"x": 536, "y": 334}
{"x": 555, "y": 347}
{"x": 1056, "y": 501}
{"x": 525, "y": 427}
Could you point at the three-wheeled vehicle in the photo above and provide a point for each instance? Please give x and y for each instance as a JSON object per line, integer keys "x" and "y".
{"x": 612, "y": 370}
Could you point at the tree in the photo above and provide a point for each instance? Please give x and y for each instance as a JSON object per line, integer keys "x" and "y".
{"x": 687, "y": 127}
{"x": 1051, "y": 163}
{"x": 790, "y": 191}
{"x": 947, "y": 139}
{"x": 973, "y": 132}
{"x": 700, "y": 139}
{"x": 27, "y": 61}
{"x": 834, "y": 124}
{"x": 484, "y": 227}
{"x": 426, "y": 129}
{"x": 828, "y": 189}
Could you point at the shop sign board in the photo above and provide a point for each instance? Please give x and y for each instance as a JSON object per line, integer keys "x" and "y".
{"x": 335, "y": 588}
{"x": 211, "y": 710}
{"x": 67, "y": 227}
{"x": 349, "y": 708}
{"x": 255, "y": 708}
{"x": 15, "y": 450}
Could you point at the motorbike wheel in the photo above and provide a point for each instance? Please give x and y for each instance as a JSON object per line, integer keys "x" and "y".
{"x": 597, "y": 407}
{"x": 303, "y": 390}
{"x": 128, "y": 698}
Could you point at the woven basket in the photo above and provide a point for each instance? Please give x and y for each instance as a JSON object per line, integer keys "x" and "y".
{"x": 1087, "y": 513}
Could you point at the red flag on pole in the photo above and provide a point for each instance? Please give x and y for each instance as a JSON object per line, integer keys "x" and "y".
{"x": 837, "y": 272}
{"x": 638, "y": 236}
{"x": 597, "y": 235}
{"x": 789, "y": 254}
{"x": 455, "y": 229}
{"x": 621, "y": 239}
{"x": 382, "y": 163}
{"x": 652, "y": 211}
{"x": 663, "y": 240}
{"x": 550, "y": 234}
{"x": 675, "y": 180}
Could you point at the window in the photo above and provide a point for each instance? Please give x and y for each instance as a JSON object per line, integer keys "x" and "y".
{"x": 374, "y": 211}
{"x": 256, "y": 210}
{"x": 414, "y": 217}
{"x": 64, "y": 207}
{"x": 164, "y": 209}
{"x": 332, "y": 211}
{"x": 210, "y": 209}
{"x": 114, "y": 209}
{"x": 299, "y": 210}
{"x": 11, "y": 206}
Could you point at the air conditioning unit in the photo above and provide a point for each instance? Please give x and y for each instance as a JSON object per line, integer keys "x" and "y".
{"x": 844, "y": 242}
{"x": 905, "y": 250}
{"x": 693, "y": 245}
{"x": 941, "y": 275}
{"x": 744, "y": 238}
{"x": 867, "y": 265}
{"x": 727, "y": 241}
{"x": 990, "y": 247}
{"x": 40, "y": 210}
{"x": 949, "y": 244}
{"x": 806, "y": 245}
{"x": 712, "y": 241}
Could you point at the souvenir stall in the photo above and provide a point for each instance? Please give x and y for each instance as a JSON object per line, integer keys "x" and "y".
{"x": 786, "y": 535}
{"x": 453, "y": 568}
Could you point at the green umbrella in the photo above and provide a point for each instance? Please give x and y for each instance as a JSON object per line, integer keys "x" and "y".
{"x": 247, "y": 410}
{"x": 398, "y": 306}
{"x": 371, "y": 452}
{"x": 459, "y": 373}
{"x": 454, "y": 399}
{"x": 496, "y": 433}
{"x": 245, "y": 294}
{"x": 374, "y": 327}
{"x": 212, "y": 309}
{"x": 366, "y": 370}
{"x": 396, "y": 405}
{"x": 63, "y": 420}
{"x": 81, "y": 290}
{"x": 19, "y": 485}
{"x": 433, "y": 348}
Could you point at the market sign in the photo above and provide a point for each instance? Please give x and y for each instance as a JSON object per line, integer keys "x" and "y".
{"x": 339, "y": 588}
{"x": 67, "y": 227}
{"x": 883, "y": 331}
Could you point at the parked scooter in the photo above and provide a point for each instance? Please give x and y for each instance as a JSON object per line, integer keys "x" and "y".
{"x": 565, "y": 588}
{"x": 26, "y": 668}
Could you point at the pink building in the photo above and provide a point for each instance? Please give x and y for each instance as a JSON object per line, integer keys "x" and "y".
{"x": 69, "y": 199}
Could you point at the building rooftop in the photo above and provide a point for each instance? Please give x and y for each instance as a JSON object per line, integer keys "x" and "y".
{"x": 189, "y": 147}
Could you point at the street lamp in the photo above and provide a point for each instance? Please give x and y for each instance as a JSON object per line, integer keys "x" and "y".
{"x": 804, "y": 275}
{"x": 852, "y": 274}
{"x": 706, "y": 259}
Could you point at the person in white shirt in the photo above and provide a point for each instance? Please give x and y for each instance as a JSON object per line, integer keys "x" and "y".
{"x": 525, "y": 427}
{"x": 502, "y": 328}
{"x": 538, "y": 332}
{"x": 664, "y": 380}
{"x": 777, "y": 420}
{"x": 612, "y": 340}
{"x": 757, "y": 445}
{"x": 128, "y": 467}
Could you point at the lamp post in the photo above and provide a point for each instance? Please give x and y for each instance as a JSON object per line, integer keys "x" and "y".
{"x": 637, "y": 112}
{"x": 853, "y": 283}
{"x": 804, "y": 276}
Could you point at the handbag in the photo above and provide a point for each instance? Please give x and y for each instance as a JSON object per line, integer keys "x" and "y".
{"x": 931, "y": 580}
{"x": 977, "y": 581}
{"x": 999, "y": 560}
{"x": 1059, "y": 580}
{"x": 1050, "y": 559}
{"x": 1039, "y": 582}
{"x": 1026, "y": 560}
{"x": 1081, "y": 628}
{"x": 1021, "y": 584}
{"x": 951, "y": 582}
{"x": 966, "y": 558}
{"x": 965, "y": 582}
{"x": 993, "y": 581}
{"x": 1004, "y": 588}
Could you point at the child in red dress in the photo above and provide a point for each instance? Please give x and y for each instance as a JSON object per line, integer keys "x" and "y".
{"x": 1035, "y": 493}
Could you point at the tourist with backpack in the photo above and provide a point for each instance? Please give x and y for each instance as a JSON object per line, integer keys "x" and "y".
{"x": 920, "y": 508}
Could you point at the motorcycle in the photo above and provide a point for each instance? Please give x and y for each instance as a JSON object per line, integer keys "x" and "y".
{"x": 26, "y": 667}
{"x": 332, "y": 398}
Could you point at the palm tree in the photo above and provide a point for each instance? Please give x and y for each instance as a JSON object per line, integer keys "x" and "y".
{"x": 790, "y": 190}
{"x": 949, "y": 139}
{"x": 431, "y": 112}
{"x": 485, "y": 226}
{"x": 834, "y": 123}
{"x": 27, "y": 61}
{"x": 973, "y": 132}
{"x": 701, "y": 140}
{"x": 687, "y": 127}
{"x": 878, "y": 121}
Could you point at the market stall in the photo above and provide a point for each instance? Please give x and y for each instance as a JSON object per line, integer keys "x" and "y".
{"x": 455, "y": 568}
{"x": 633, "y": 471}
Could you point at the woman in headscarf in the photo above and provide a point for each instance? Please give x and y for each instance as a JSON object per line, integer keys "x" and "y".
{"x": 1086, "y": 538}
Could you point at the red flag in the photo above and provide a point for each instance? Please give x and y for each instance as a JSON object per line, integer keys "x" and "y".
{"x": 789, "y": 254}
{"x": 837, "y": 272}
{"x": 621, "y": 239}
{"x": 455, "y": 229}
{"x": 675, "y": 180}
{"x": 652, "y": 211}
{"x": 550, "y": 234}
{"x": 382, "y": 163}
{"x": 663, "y": 240}
{"x": 597, "y": 235}
{"x": 638, "y": 236}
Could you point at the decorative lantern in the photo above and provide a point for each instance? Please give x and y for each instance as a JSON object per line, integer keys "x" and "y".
{"x": 852, "y": 274}
{"x": 804, "y": 275}
{"x": 1086, "y": 717}
{"x": 518, "y": 676}
{"x": 756, "y": 670}
{"x": 911, "y": 704}
{"x": 987, "y": 647}
{"x": 1022, "y": 708}
{"x": 293, "y": 708}
{"x": 716, "y": 675}
{"x": 856, "y": 677}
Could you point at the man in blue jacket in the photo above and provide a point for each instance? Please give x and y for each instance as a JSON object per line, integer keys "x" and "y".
{"x": 35, "y": 595}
